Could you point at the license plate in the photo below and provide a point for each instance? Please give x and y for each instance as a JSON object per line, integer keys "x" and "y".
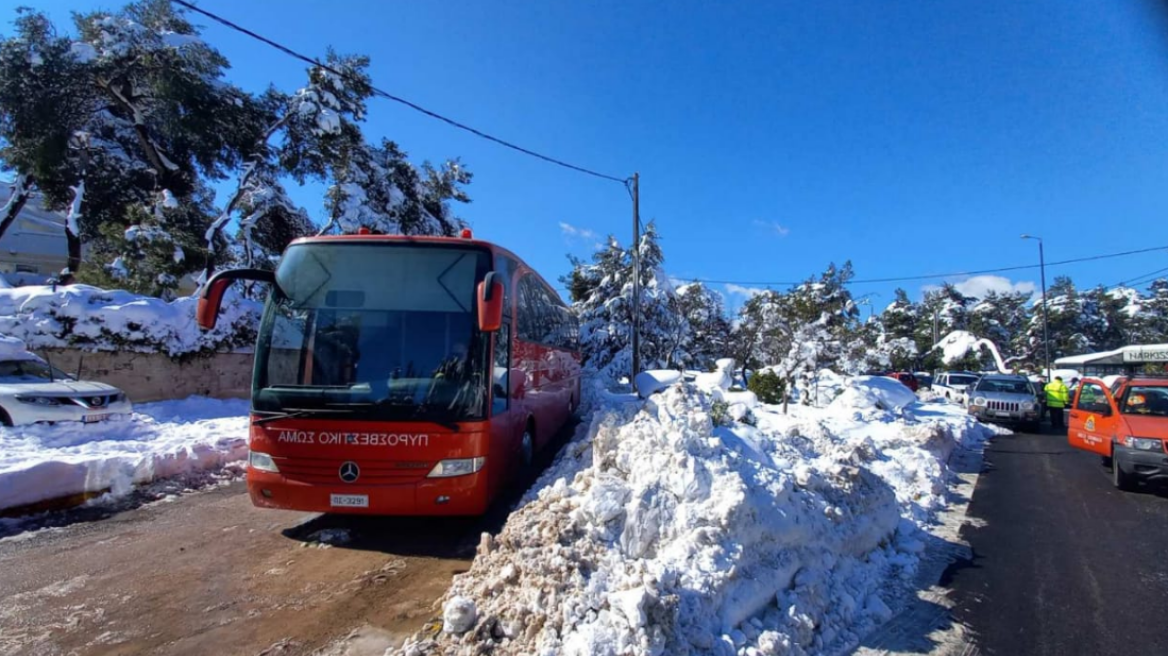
{"x": 93, "y": 419}
{"x": 1000, "y": 413}
{"x": 349, "y": 500}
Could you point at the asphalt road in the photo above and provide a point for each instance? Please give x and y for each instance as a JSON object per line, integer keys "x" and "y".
{"x": 1062, "y": 562}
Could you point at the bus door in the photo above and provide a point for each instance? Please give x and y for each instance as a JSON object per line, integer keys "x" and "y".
{"x": 1093, "y": 418}
{"x": 505, "y": 415}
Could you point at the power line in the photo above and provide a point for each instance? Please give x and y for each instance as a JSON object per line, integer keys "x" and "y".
{"x": 933, "y": 276}
{"x": 389, "y": 96}
{"x": 1139, "y": 280}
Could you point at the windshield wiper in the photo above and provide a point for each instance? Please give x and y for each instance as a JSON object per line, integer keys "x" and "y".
{"x": 297, "y": 412}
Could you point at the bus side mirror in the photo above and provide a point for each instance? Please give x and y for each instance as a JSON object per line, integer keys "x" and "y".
{"x": 212, "y": 297}
{"x": 490, "y": 302}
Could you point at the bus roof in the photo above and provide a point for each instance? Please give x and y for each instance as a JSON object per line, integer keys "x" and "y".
{"x": 426, "y": 239}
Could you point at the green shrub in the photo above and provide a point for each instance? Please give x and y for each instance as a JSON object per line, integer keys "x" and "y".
{"x": 768, "y": 386}
{"x": 720, "y": 413}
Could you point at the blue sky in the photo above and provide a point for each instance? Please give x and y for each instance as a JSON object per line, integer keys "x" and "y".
{"x": 771, "y": 137}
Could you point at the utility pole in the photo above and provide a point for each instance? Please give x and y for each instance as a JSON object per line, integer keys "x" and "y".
{"x": 636, "y": 276}
{"x": 1045, "y": 328}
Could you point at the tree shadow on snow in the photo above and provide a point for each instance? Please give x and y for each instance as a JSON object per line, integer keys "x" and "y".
{"x": 440, "y": 537}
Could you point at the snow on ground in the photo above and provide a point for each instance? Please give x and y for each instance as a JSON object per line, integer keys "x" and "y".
{"x": 657, "y": 532}
{"x": 160, "y": 440}
{"x": 88, "y": 317}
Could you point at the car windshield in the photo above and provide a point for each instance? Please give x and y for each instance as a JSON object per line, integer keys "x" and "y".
{"x": 1004, "y": 386}
{"x": 27, "y": 371}
{"x": 1145, "y": 400}
{"x": 957, "y": 379}
{"x": 382, "y": 330}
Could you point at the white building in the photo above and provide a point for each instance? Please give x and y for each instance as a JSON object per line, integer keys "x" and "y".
{"x": 34, "y": 248}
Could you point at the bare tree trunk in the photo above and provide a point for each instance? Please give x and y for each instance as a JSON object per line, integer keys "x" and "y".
{"x": 72, "y": 227}
{"x": 21, "y": 192}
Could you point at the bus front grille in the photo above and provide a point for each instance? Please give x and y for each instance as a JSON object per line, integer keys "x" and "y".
{"x": 371, "y": 472}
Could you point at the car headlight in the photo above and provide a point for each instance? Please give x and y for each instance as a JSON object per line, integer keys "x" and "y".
{"x": 979, "y": 401}
{"x": 262, "y": 462}
{"x": 38, "y": 400}
{"x": 1143, "y": 443}
{"x": 457, "y": 467}
{"x": 1027, "y": 406}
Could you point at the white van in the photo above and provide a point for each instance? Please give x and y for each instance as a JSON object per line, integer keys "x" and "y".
{"x": 955, "y": 385}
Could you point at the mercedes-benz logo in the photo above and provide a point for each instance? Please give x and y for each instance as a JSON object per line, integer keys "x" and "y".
{"x": 350, "y": 471}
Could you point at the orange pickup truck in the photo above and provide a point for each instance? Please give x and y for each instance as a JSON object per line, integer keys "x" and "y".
{"x": 1126, "y": 423}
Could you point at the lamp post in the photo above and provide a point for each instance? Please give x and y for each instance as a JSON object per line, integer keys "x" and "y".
{"x": 1045, "y": 328}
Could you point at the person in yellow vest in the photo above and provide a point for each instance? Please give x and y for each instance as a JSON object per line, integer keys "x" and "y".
{"x": 1057, "y": 396}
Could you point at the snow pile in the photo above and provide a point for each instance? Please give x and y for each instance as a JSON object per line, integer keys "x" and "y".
{"x": 14, "y": 349}
{"x": 87, "y": 317}
{"x": 864, "y": 392}
{"x": 656, "y": 532}
{"x": 160, "y": 440}
{"x": 650, "y": 382}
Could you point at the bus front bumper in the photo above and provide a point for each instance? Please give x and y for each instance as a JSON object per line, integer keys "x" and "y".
{"x": 459, "y": 495}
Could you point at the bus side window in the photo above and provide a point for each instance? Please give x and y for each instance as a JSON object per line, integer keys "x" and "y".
{"x": 505, "y": 267}
{"x": 501, "y": 371}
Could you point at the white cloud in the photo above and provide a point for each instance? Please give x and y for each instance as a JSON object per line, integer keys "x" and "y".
{"x": 572, "y": 232}
{"x": 739, "y": 290}
{"x": 773, "y": 226}
{"x": 979, "y": 286}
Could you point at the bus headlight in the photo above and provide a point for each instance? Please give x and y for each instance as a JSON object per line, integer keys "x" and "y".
{"x": 457, "y": 467}
{"x": 262, "y": 462}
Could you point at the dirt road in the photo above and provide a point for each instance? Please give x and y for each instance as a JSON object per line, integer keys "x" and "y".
{"x": 209, "y": 574}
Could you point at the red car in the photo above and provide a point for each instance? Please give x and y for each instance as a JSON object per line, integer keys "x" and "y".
{"x": 909, "y": 380}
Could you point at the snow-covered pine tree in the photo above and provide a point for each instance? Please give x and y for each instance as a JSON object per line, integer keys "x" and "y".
{"x": 901, "y": 317}
{"x": 307, "y": 134}
{"x": 606, "y": 313}
{"x": 1154, "y": 315}
{"x": 140, "y": 110}
{"x": 941, "y": 312}
{"x": 708, "y": 327}
{"x": 999, "y": 317}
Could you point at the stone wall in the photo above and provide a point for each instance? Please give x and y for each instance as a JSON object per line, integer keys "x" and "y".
{"x": 155, "y": 377}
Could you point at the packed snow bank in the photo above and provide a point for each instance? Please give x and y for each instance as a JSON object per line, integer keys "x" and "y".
{"x": 650, "y": 382}
{"x": 14, "y": 349}
{"x": 863, "y": 392}
{"x": 96, "y": 319}
{"x": 160, "y": 440}
{"x": 656, "y": 532}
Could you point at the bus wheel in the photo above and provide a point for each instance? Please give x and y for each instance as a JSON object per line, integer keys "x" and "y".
{"x": 527, "y": 447}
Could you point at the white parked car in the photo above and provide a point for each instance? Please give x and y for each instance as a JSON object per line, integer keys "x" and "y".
{"x": 31, "y": 391}
{"x": 955, "y": 385}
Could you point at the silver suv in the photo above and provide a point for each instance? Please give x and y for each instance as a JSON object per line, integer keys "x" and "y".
{"x": 1005, "y": 399}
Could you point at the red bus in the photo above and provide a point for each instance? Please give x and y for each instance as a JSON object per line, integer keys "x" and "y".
{"x": 401, "y": 375}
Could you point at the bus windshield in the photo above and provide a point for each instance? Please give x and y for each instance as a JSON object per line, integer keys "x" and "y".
{"x": 378, "y": 330}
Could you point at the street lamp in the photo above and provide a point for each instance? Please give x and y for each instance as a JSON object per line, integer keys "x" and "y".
{"x": 1045, "y": 329}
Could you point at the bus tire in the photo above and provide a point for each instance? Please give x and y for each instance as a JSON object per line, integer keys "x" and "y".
{"x": 527, "y": 446}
